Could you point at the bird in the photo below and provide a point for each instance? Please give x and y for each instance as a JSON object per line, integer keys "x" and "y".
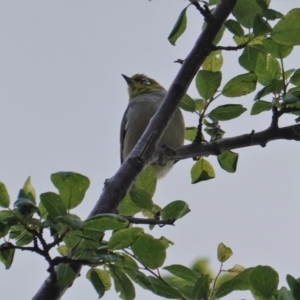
{"x": 145, "y": 97}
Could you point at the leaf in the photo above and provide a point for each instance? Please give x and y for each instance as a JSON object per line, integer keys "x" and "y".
{"x": 260, "y": 26}
{"x": 240, "y": 85}
{"x": 271, "y": 14}
{"x": 124, "y": 238}
{"x": 190, "y": 133}
{"x": 202, "y": 170}
{"x": 268, "y": 71}
{"x": 277, "y": 50}
{"x": 252, "y": 57}
{"x": 74, "y": 223}
{"x": 29, "y": 189}
{"x": 234, "y": 27}
{"x": 175, "y": 210}
{"x": 285, "y": 294}
{"x": 4, "y": 196}
{"x": 227, "y": 112}
{"x": 286, "y": 31}
{"x": 239, "y": 282}
{"x": 127, "y": 207}
{"x": 213, "y": 62}
{"x": 263, "y": 3}
{"x": 260, "y": 106}
{"x": 179, "y": 27}
{"x": 65, "y": 275}
{"x": 140, "y": 278}
{"x": 183, "y": 272}
{"x": 71, "y": 187}
{"x": 147, "y": 181}
{"x": 264, "y": 281}
{"x": 100, "y": 280}
{"x": 295, "y": 79}
{"x": 224, "y": 252}
{"x": 150, "y": 251}
{"x": 294, "y": 286}
{"x": 245, "y": 11}
{"x": 26, "y": 207}
{"x": 6, "y": 256}
{"x": 207, "y": 83}
{"x": 201, "y": 287}
{"x": 289, "y": 99}
{"x": 141, "y": 198}
{"x": 123, "y": 284}
{"x": 161, "y": 289}
{"x": 187, "y": 103}
{"x": 228, "y": 161}
{"x": 104, "y": 222}
{"x": 53, "y": 204}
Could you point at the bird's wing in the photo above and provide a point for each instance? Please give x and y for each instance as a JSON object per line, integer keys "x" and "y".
{"x": 123, "y": 131}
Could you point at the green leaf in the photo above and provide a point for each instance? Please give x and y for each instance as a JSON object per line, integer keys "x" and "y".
{"x": 268, "y": 71}
{"x": 175, "y": 210}
{"x": 124, "y": 238}
{"x": 141, "y": 198}
{"x": 190, "y": 133}
{"x": 183, "y": 272}
{"x": 159, "y": 288}
{"x": 71, "y": 187}
{"x": 289, "y": 98}
{"x": 100, "y": 280}
{"x": 139, "y": 278}
{"x": 201, "y": 287}
{"x": 150, "y": 251}
{"x": 263, "y": 3}
{"x": 252, "y": 57}
{"x": 26, "y": 207}
{"x": 271, "y": 14}
{"x": 234, "y": 27}
{"x": 53, "y": 204}
{"x": 238, "y": 283}
{"x": 179, "y": 27}
{"x": 227, "y": 112}
{"x": 63, "y": 250}
{"x": 74, "y": 223}
{"x": 6, "y": 256}
{"x": 260, "y": 106}
{"x": 123, "y": 284}
{"x": 260, "y": 26}
{"x": 245, "y": 11}
{"x": 202, "y": 170}
{"x": 104, "y": 222}
{"x": 294, "y": 286}
{"x": 213, "y": 62}
{"x": 4, "y": 196}
{"x": 29, "y": 189}
{"x": 127, "y": 207}
{"x": 228, "y": 161}
{"x": 286, "y": 31}
{"x": 285, "y": 294}
{"x": 264, "y": 281}
{"x": 65, "y": 275}
{"x": 224, "y": 253}
{"x": 187, "y": 103}
{"x": 277, "y": 50}
{"x": 147, "y": 181}
{"x": 207, "y": 83}
{"x": 240, "y": 85}
{"x": 295, "y": 79}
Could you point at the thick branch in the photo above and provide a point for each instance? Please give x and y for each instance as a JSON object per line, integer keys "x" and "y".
{"x": 116, "y": 187}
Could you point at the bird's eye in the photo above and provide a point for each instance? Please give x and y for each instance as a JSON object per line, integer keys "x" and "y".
{"x": 145, "y": 81}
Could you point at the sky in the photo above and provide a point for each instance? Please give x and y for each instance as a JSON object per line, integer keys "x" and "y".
{"x": 62, "y": 101}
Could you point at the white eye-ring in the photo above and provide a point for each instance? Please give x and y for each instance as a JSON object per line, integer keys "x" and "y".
{"x": 145, "y": 81}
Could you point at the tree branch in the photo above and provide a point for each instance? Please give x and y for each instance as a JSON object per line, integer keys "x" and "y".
{"x": 116, "y": 187}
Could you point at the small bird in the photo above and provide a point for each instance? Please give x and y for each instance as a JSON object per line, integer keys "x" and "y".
{"x": 145, "y": 97}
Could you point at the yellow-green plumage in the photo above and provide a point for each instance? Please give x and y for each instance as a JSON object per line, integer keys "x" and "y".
{"x": 146, "y": 95}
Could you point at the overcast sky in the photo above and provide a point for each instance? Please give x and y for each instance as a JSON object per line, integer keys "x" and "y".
{"x": 62, "y": 100}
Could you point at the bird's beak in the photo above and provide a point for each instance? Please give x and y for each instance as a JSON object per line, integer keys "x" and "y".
{"x": 129, "y": 80}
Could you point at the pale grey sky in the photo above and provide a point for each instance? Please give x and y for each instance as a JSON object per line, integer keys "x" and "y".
{"x": 62, "y": 100}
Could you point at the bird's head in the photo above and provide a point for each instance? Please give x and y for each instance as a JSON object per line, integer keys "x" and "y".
{"x": 140, "y": 84}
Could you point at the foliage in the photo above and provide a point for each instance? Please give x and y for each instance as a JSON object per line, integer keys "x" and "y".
{"x": 130, "y": 255}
